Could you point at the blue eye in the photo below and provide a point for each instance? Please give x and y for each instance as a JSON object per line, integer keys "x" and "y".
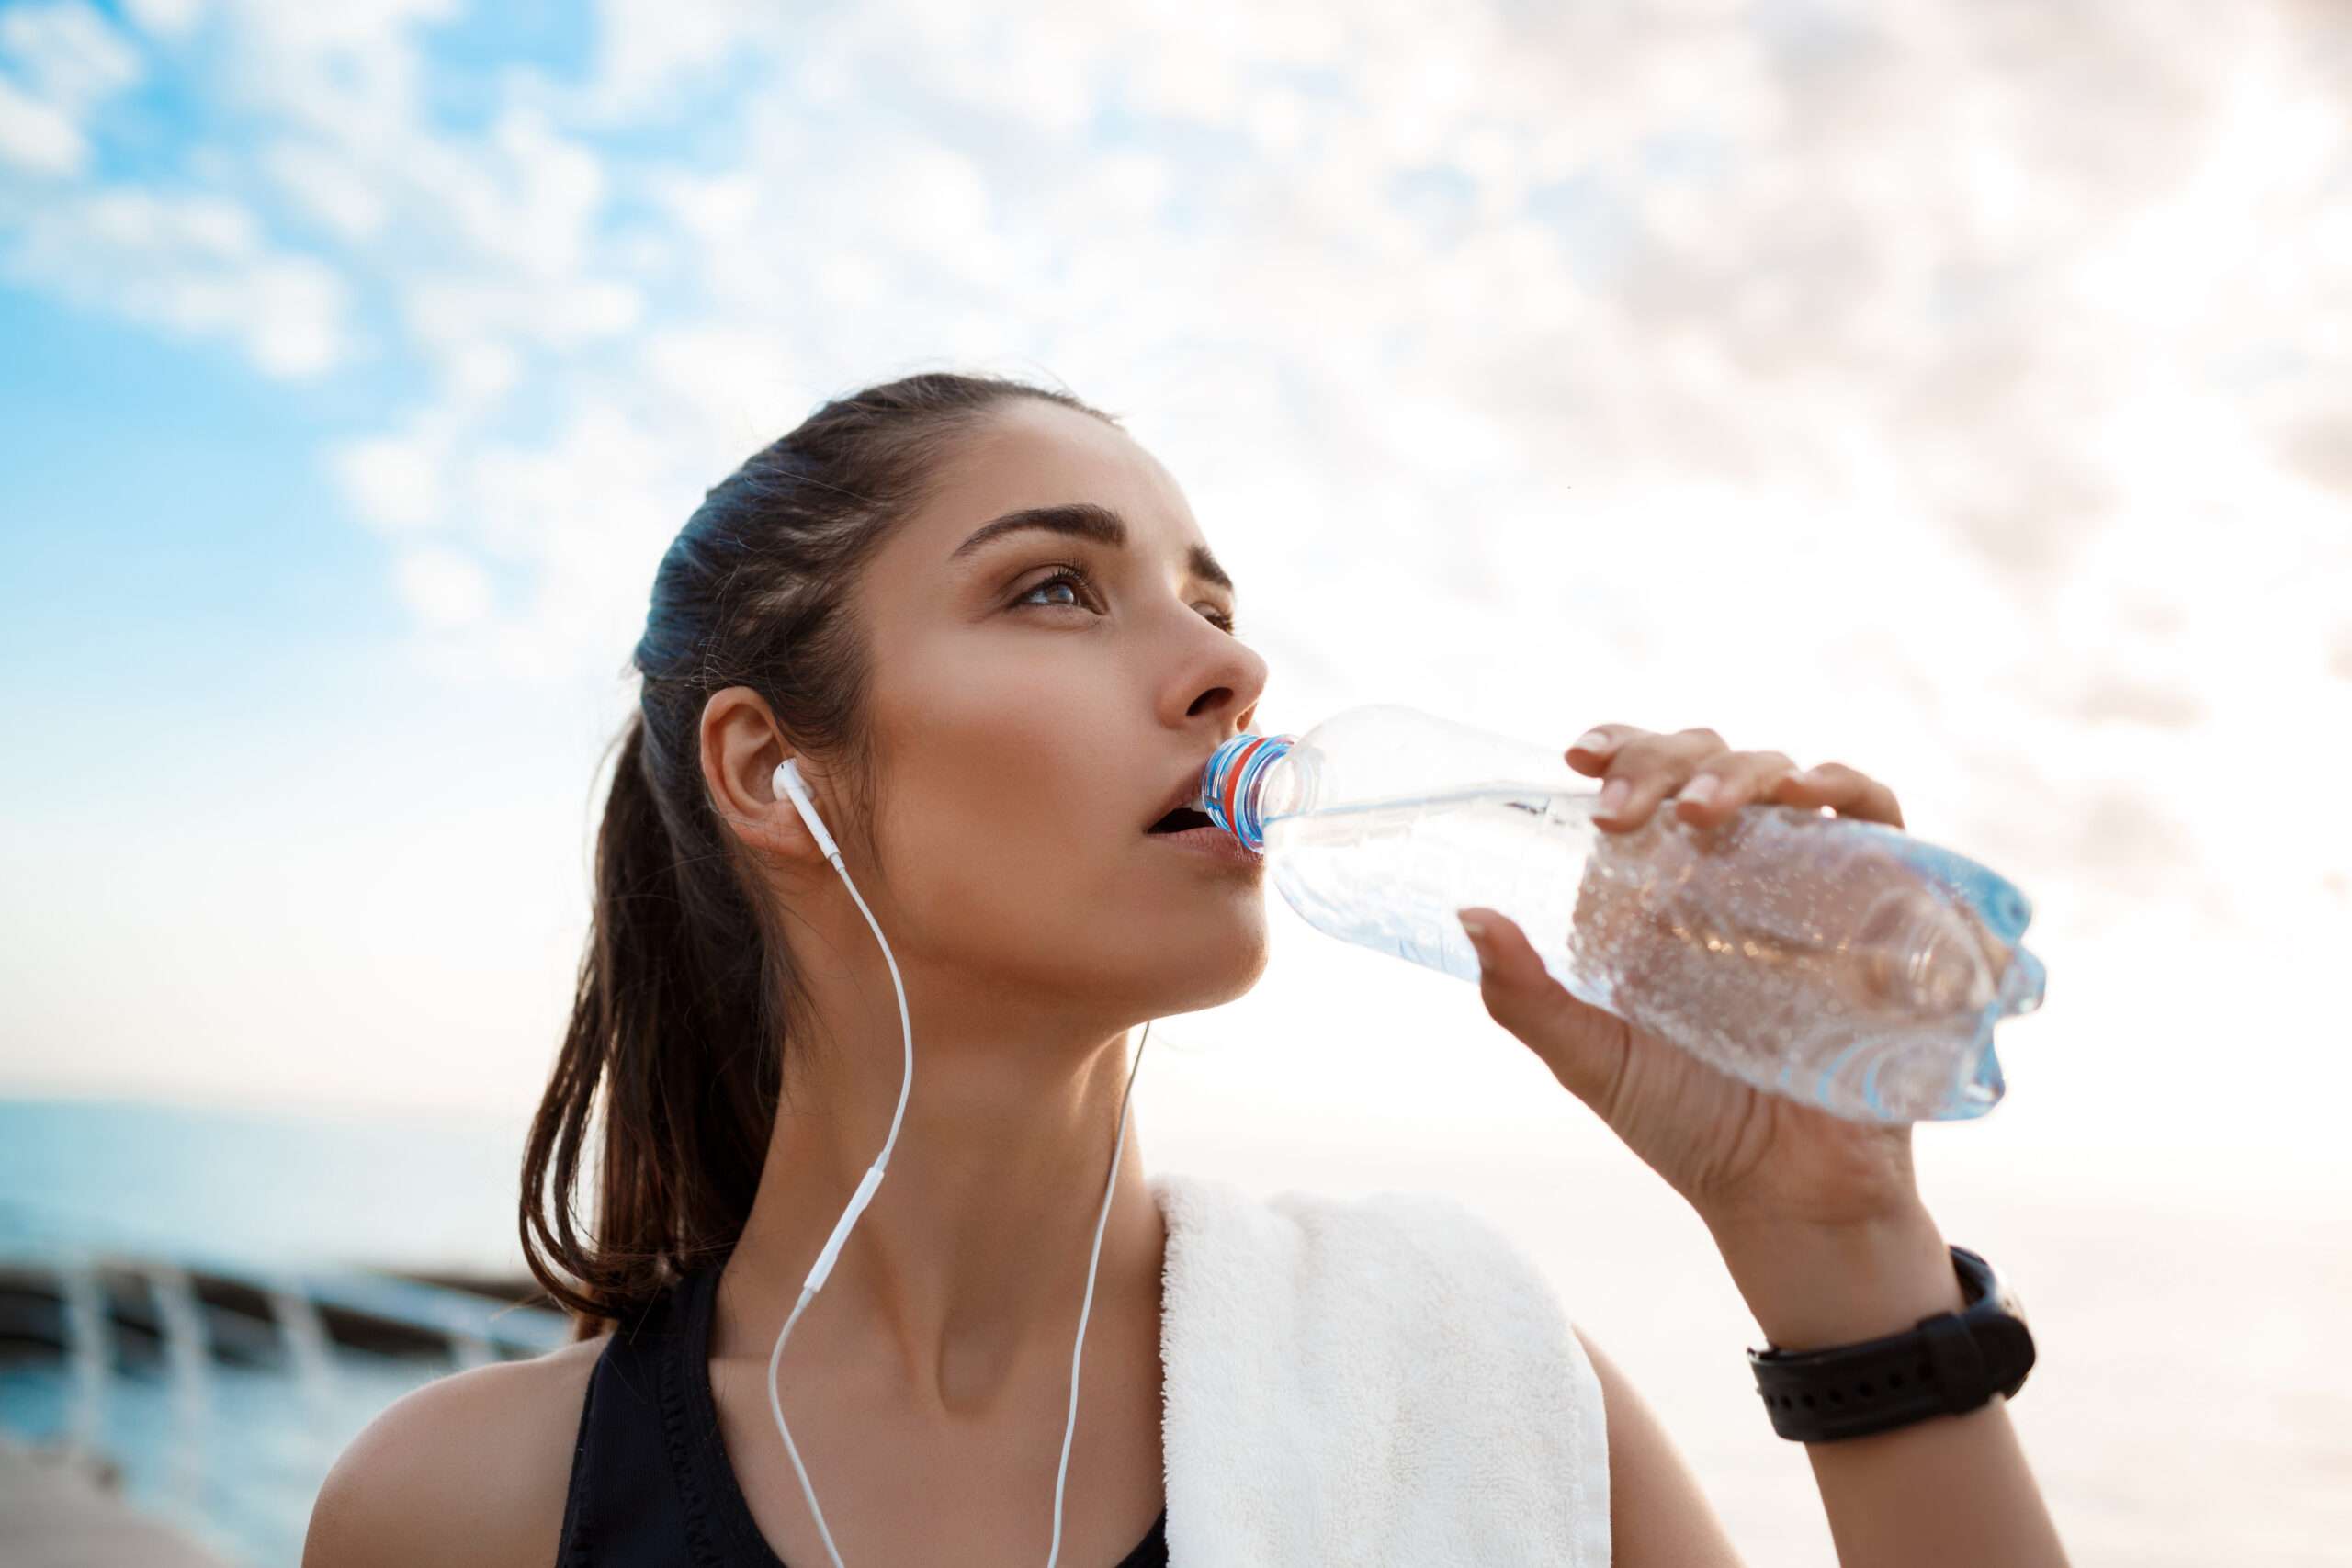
{"x": 1074, "y": 575}
{"x": 1078, "y": 577}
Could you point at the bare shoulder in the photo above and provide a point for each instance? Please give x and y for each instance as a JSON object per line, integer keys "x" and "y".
{"x": 470, "y": 1470}
{"x": 1657, "y": 1515}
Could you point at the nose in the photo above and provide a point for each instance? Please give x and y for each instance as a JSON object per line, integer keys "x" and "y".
{"x": 1225, "y": 680}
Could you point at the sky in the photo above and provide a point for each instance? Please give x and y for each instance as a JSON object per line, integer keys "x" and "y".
{"x": 1961, "y": 393}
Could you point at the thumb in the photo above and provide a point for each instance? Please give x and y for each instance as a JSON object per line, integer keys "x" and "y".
{"x": 1583, "y": 1045}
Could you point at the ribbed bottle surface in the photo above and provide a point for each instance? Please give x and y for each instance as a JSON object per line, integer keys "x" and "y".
{"x": 1844, "y": 964}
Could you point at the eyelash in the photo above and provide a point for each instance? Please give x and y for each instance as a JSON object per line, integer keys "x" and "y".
{"x": 1070, "y": 571}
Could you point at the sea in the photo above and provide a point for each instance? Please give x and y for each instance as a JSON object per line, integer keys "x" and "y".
{"x": 232, "y": 1455}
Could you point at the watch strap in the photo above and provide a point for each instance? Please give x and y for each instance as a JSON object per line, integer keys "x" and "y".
{"x": 1945, "y": 1365}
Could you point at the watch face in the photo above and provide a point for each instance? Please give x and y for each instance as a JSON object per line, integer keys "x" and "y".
{"x": 2004, "y": 1294}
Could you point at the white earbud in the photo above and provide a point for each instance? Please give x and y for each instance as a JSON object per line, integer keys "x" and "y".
{"x": 788, "y": 782}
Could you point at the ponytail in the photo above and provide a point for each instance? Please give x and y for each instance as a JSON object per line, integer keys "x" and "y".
{"x": 667, "y": 1020}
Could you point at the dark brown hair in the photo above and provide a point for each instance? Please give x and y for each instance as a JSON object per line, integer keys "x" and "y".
{"x": 687, "y": 996}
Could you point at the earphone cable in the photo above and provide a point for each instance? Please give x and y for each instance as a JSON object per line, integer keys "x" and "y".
{"x": 864, "y": 1193}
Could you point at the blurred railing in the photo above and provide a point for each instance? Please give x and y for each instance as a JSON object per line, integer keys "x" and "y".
{"x": 221, "y": 1388}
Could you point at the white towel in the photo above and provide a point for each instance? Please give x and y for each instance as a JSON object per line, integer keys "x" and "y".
{"x": 1368, "y": 1381}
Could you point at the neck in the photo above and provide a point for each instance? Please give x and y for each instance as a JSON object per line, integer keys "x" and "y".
{"x": 962, "y": 1280}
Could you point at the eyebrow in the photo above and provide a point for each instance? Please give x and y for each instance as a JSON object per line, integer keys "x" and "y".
{"x": 1086, "y": 521}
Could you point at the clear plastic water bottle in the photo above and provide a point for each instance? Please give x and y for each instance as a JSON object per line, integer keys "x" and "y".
{"x": 1841, "y": 962}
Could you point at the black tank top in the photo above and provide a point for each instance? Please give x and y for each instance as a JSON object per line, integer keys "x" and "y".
{"x": 650, "y": 1483}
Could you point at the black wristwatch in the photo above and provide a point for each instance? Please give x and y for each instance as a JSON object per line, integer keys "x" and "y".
{"x": 1947, "y": 1365}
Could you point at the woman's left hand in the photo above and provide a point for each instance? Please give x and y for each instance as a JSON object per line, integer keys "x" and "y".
{"x": 1745, "y": 1159}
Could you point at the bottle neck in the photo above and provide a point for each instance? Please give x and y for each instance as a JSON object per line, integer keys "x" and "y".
{"x": 1233, "y": 785}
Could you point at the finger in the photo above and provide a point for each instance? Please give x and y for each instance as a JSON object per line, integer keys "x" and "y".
{"x": 1847, "y": 791}
{"x": 1592, "y": 750}
{"x": 1651, "y": 768}
{"x": 1723, "y": 784}
{"x": 1584, "y": 1046}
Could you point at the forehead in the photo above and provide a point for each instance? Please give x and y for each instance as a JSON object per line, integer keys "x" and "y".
{"x": 1032, "y": 454}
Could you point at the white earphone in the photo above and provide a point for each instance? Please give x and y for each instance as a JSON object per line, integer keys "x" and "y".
{"x": 788, "y": 782}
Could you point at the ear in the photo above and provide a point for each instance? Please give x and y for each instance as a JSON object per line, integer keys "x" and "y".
{"x": 741, "y": 749}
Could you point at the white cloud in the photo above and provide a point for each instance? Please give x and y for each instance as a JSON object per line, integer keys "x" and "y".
{"x": 59, "y": 64}
{"x": 581, "y": 517}
{"x": 166, "y": 19}
{"x": 66, "y": 53}
{"x": 196, "y": 264}
{"x": 645, "y": 48}
{"x": 740, "y": 389}
{"x": 490, "y": 242}
{"x": 455, "y": 316}
{"x": 38, "y": 137}
{"x": 347, "y": 72}
{"x": 330, "y": 189}
{"x": 536, "y": 209}
{"x": 445, "y": 587}
{"x": 394, "y": 481}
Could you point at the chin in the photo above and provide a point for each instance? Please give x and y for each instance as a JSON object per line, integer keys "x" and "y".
{"x": 1211, "y": 972}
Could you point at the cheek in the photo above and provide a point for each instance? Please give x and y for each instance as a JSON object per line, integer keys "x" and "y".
{"x": 1030, "y": 754}
{"x": 1006, "y": 833}
{"x": 1014, "y": 805}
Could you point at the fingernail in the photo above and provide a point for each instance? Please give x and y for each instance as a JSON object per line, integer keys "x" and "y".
{"x": 1591, "y": 740}
{"x": 1701, "y": 789}
{"x": 1612, "y": 796}
{"x": 1476, "y": 927}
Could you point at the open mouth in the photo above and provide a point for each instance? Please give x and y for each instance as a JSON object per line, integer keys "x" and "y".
{"x": 1178, "y": 820}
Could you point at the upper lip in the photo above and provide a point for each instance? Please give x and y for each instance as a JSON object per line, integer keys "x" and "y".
{"x": 1186, "y": 793}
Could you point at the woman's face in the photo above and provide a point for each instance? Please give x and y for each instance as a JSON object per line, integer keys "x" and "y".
{"x": 1030, "y": 726}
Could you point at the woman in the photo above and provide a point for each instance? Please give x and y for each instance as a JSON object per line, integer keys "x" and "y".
{"x": 990, "y": 726}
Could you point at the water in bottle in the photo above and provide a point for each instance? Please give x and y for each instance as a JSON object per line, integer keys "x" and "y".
{"x": 1842, "y": 962}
